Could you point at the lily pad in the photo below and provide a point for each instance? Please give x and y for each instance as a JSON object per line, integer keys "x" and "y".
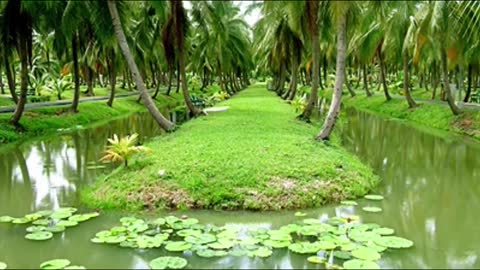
{"x": 304, "y": 248}
{"x": 372, "y": 209}
{"x": 261, "y": 252}
{"x": 3, "y": 265}
{"x": 349, "y": 203}
{"x": 33, "y": 217}
{"x": 393, "y": 242}
{"x": 55, "y": 264}
{"x": 300, "y": 214}
{"x": 384, "y": 231}
{"x": 83, "y": 217}
{"x": 33, "y": 229}
{"x": 222, "y": 243}
{"x": 178, "y": 246}
{"x": 326, "y": 245}
{"x": 67, "y": 223}
{"x": 374, "y": 197}
{"x": 168, "y": 262}
{"x": 201, "y": 239}
{"x": 44, "y": 213}
{"x": 41, "y": 222}
{"x": 6, "y": 219}
{"x": 61, "y": 214}
{"x": 55, "y": 229}
{"x": 316, "y": 260}
{"x": 39, "y": 236}
{"x": 312, "y": 221}
{"x": 360, "y": 264}
{"x": 366, "y": 254}
{"x": 276, "y": 244}
{"x": 79, "y": 267}
{"x": 20, "y": 221}
{"x": 158, "y": 222}
{"x": 209, "y": 253}
{"x": 343, "y": 255}
{"x": 239, "y": 252}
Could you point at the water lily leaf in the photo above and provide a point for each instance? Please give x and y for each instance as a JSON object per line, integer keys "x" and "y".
{"x": 300, "y": 214}
{"x": 290, "y": 228}
{"x": 32, "y": 217}
{"x": 115, "y": 230}
{"x": 336, "y": 221}
{"x": 44, "y": 213}
{"x": 67, "y": 223}
{"x": 103, "y": 234}
{"x": 366, "y": 254}
{"x": 316, "y": 259}
{"x": 61, "y": 215}
{"x": 371, "y": 226}
{"x": 158, "y": 222}
{"x": 349, "y": 203}
{"x": 138, "y": 227}
{"x": 374, "y": 197}
{"x": 75, "y": 267}
{"x": 209, "y": 253}
{"x": 67, "y": 209}
{"x": 3, "y": 265}
{"x": 222, "y": 243}
{"x": 20, "y": 221}
{"x": 376, "y": 247}
{"x": 171, "y": 220}
{"x": 384, "y": 231}
{"x": 372, "y": 209}
{"x": 33, "y": 229}
{"x": 311, "y": 230}
{"x": 144, "y": 241}
{"x": 326, "y": 245}
{"x": 189, "y": 222}
{"x": 278, "y": 235}
{"x": 39, "y": 236}
{"x": 83, "y": 217}
{"x": 55, "y": 264}
{"x": 189, "y": 232}
{"x": 261, "y": 252}
{"x": 178, "y": 246}
{"x": 343, "y": 255}
{"x": 168, "y": 262}
{"x": 360, "y": 264}
{"x": 360, "y": 236}
{"x": 6, "y": 219}
{"x": 126, "y": 221}
{"x": 115, "y": 239}
{"x": 348, "y": 247}
{"x": 249, "y": 241}
{"x": 276, "y": 243}
{"x": 312, "y": 221}
{"x": 201, "y": 239}
{"x": 393, "y": 242}
{"x": 127, "y": 244}
{"x": 304, "y": 247}
{"x": 41, "y": 222}
{"x": 97, "y": 240}
{"x": 239, "y": 252}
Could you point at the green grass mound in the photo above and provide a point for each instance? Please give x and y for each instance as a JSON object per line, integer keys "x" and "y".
{"x": 254, "y": 156}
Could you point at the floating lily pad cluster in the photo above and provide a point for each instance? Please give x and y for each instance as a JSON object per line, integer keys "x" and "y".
{"x": 59, "y": 264}
{"x": 336, "y": 240}
{"x": 371, "y": 209}
{"x": 45, "y": 223}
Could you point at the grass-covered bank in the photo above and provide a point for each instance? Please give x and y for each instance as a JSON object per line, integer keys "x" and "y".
{"x": 426, "y": 115}
{"x": 44, "y": 121}
{"x": 254, "y": 156}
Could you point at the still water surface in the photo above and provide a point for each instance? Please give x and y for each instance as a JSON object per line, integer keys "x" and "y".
{"x": 431, "y": 188}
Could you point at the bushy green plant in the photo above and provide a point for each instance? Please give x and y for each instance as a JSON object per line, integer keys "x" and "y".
{"x": 123, "y": 149}
{"x": 40, "y": 84}
{"x": 299, "y": 103}
{"x": 218, "y": 97}
{"x": 61, "y": 85}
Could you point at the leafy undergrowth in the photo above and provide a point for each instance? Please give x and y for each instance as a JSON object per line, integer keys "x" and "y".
{"x": 254, "y": 156}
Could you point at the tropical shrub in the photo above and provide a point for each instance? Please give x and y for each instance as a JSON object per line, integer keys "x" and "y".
{"x": 123, "y": 149}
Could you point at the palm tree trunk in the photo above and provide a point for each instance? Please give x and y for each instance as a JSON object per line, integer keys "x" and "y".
{"x": 186, "y": 95}
{"x": 365, "y": 81}
{"x": 89, "y": 79}
{"x": 435, "y": 80}
{"x": 382, "y": 74}
{"x": 10, "y": 79}
{"x": 23, "y": 54}
{"x": 2, "y": 89}
{"x": 469, "y": 83}
{"x": 178, "y": 79}
{"x": 406, "y": 81}
{"x": 293, "y": 83}
{"x": 347, "y": 83}
{"x": 446, "y": 85}
{"x": 122, "y": 42}
{"x": 113, "y": 78}
{"x": 281, "y": 82}
{"x": 76, "y": 75}
{"x": 339, "y": 77}
{"x": 170, "y": 80}
{"x": 312, "y": 100}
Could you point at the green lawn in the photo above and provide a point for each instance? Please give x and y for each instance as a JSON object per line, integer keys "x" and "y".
{"x": 254, "y": 156}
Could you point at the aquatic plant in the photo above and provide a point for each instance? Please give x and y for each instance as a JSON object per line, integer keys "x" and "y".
{"x": 59, "y": 264}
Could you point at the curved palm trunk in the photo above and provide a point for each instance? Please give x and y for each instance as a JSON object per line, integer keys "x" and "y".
{"x": 312, "y": 100}
{"x": 406, "y": 82}
{"x": 2, "y": 89}
{"x": 170, "y": 79}
{"x": 178, "y": 79}
{"x": 382, "y": 75}
{"x": 186, "y": 95}
{"x": 469, "y": 83}
{"x": 339, "y": 77}
{"x": 122, "y": 42}
{"x": 446, "y": 85}
{"x": 293, "y": 83}
{"x": 76, "y": 75}
{"x": 23, "y": 53}
{"x": 281, "y": 82}
{"x": 10, "y": 80}
{"x": 365, "y": 81}
{"x": 347, "y": 83}
{"x": 113, "y": 79}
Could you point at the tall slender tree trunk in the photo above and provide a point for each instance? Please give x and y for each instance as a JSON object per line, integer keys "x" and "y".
{"x": 76, "y": 75}
{"x": 293, "y": 83}
{"x": 347, "y": 83}
{"x": 435, "y": 80}
{"x": 170, "y": 80}
{"x": 312, "y": 100}
{"x": 178, "y": 79}
{"x": 113, "y": 78}
{"x": 281, "y": 82}
{"x": 122, "y": 42}
{"x": 469, "y": 83}
{"x": 406, "y": 81}
{"x": 23, "y": 53}
{"x": 365, "y": 80}
{"x": 2, "y": 89}
{"x": 383, "y": 77}
{"x": 446, "y": 84}
{"x": 10, "y": 79}
{"x": 186, "y": 95}
{"x": 89, "y": 79}
{"x": 332, "y": 115}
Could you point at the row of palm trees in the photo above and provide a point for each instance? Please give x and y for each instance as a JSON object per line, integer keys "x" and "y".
{"x": 145, "y": 42}
{"x": 438, "y": 41}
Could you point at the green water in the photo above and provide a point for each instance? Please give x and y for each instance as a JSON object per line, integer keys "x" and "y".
{"x": 430, "y": 186}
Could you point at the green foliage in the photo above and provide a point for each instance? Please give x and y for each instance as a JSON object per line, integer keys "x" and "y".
{"x": 123, "y": 149}
{"x": 276, "y": 152}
